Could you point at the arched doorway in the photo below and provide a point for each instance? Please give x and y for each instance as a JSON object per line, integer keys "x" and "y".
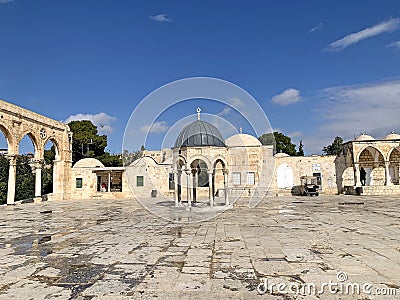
{"x": 178, "y": 180}
{"x": 220, "y": 180}
{"x": 4, "y": 164}
{"x": 28, "y": 178}
{"x": 372, "y": 161}
{"x": 50, "y": 176}
{"x": 200, "y": 178}
{"x": 284, "y": 177}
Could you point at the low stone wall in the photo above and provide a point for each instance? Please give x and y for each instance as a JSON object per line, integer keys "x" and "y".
{"x": 380, "y": 190}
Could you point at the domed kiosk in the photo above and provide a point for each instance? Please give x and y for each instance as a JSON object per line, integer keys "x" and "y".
{"x": 200, "y": 164}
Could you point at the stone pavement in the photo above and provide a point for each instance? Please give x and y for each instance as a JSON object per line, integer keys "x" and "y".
{"x": 115, "y": 249}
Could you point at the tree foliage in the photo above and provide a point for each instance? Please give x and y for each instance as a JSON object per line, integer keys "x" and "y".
{"x": 86, "y": 142}
{"x": 25, "y": 181}
{"x": 281, "y": 142}
{"x": 336, "y": 148}
{"x": 110, "y": 160}
{"x": 301, "y": 149}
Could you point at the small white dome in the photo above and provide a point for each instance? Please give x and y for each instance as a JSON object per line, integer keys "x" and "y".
{"x": 242, "y": 140}
{"x": 365, "y": 137}
{"x": 88, "y": 163}
{"x": 392, "y": 136}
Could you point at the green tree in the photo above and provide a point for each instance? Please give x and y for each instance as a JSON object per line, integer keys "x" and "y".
{"x": 336, "y": 148}
{"x": 110, "y": 160}
{"x": 281, "y": 142}
{"x": 25, "y": 181}
{"x": 301, "y": 149}
{"x": 86, "y": 142}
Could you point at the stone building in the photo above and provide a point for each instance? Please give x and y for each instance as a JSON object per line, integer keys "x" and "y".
{"x": 202, "y": 166}
{"x": 380, "y": 158}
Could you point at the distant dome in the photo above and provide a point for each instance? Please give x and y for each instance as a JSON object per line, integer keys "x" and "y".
{"x": 365, "y": 137}
{"x": 88, "y": 163}
{"x": 242, "y": 140}
{"x": 392, "y": 136}
{"x": 281, "y": 155}
{"x": 200, "y": 133}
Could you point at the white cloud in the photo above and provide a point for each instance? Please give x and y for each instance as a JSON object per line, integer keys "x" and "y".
{"x": 347, "y": 111}
{"x": 162, "y": 18}
{"x": 353, "y": 38}
{"x": 236, "y": 102}
{"x": 295, "y": 134}
{"x": 373, "y": 108}
{"x": 317, "y": 27}
{"x": 395, "y": 45}
{"x": 5, "y": 1}
{"x": 101, "y": 120}
{"x": 233, "y": 103}
{"x": 225, "y": 111}
{"x": 288, "y": 96}
{"x": 156, "y": 127}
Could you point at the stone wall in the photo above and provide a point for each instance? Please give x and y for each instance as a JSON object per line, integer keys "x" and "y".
{"x": 307, "y": 166}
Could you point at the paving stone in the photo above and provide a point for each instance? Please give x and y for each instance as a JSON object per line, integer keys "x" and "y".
{"x": 115, "y": 249}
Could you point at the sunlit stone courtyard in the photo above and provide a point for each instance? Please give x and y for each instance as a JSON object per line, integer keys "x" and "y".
{"x": 118, "y": 250}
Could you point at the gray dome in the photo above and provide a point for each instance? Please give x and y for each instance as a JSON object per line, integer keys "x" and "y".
{"x": 200, "y": 133}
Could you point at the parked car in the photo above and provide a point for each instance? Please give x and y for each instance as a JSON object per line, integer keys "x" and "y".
{"x": 309, "y": 186}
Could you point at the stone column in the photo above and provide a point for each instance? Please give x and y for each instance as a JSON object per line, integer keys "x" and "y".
{"x": 188, "y": 186}
{"x": 210, "y": 193}
{"x": 176, "y": 174}
{"x": 38, "y": 178}
{"x": 357, "y": 181}
{"x": 387, "y": 174}
{"x": 109, "y": 182}
{"x": 195, "y": 184}
{"x": 226, "y": 187}
{"x": 12, "y": 174}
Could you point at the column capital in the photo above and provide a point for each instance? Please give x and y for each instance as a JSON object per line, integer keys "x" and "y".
{"x": 38, "y": 162}
{"x": 12, "y": 158}
{"x": 188, "y": 171}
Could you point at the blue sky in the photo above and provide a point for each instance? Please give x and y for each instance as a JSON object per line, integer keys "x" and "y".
{"x": 317, "y": 68}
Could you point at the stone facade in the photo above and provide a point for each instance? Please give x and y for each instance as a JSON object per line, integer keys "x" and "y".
{"x": 239, "y": 166}
{"x": 379, "y": 158}
{"x": 91, "y": 180}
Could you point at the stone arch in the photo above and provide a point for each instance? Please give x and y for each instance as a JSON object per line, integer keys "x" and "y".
{"x": 389, "y": 154}
{"x": 284, "y": 176}
{"x": 8, "y": 136}
{"x": 348, "y": 177}
{"x": 218, "y": 177}
{"x": 222, "y": 159}
{"x": 370, "y": 149}
{"x": 56, "y": 145}
{"x": 17, "y": 122}
{"x": 394, "y": 165}
{"x": 36, "y": 146}
{"x": 200, "y": 157}
{"x": 372, "y": 160}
